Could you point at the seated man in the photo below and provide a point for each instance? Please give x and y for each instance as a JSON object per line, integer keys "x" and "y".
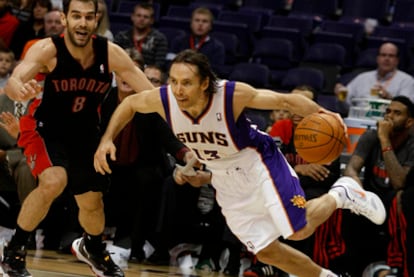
{"x": 387, "y": 154}
{"x": 385, "y": 82}
{"x": 200, "y": 38}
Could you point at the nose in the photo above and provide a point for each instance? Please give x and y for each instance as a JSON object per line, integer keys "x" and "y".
{"x": 83, "y": 21}
{"x": 178, "y": 89}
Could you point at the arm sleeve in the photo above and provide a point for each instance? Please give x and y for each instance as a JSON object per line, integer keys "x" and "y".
{"x": 171, "y": 143}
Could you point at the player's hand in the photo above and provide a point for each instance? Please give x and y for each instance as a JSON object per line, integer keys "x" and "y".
{"x": 27, "y": 91}
{"x": 316, "y": 171}
{"x": 338, "y": 117}
{"x": 100, "y": 162}
{"x": 199, "y": 179}
{"x": 188, "y": 156}
{"x": 10, "y": 123}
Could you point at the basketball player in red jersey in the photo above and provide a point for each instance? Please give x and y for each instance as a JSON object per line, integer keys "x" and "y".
{"x": 258, "y": 191}
{"x": 61, "y": 133}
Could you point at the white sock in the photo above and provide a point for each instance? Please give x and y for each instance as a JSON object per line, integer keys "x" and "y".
{"x": 337, "y": 196}
{"x": 327, "y": 273}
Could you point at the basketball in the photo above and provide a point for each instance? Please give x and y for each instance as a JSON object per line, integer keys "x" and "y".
{"x": 319, "y": 138}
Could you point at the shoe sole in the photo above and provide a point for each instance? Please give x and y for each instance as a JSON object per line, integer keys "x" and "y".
{"x": 370, "y": 197}
{"x": 3, "y": 274}
{"x": 80, "y": 257}
{"x": 250, "y": 274}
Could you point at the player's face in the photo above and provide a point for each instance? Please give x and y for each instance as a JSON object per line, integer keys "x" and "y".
{"x": 80, "y": 22}
{"x": 398, "y": 114}
{"x": 187, "y": 87}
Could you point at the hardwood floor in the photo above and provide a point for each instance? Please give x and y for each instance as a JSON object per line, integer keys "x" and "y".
{"x": 51, "y": 264}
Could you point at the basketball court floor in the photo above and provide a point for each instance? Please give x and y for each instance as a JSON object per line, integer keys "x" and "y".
{"x": 42, "y": 263}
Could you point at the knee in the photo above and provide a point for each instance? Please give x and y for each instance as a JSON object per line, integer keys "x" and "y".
{"x": 52, "y": 186}
{"x": 301, "y": 234}
{"x": 90, "y": 202}
{"x": 272, "y": 254}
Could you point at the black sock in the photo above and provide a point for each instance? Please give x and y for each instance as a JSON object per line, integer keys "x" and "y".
{"x": 20, "y": 238}
{"x": 93, "y": 243}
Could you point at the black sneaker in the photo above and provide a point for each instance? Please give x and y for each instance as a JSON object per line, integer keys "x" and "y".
{"x": 13, "y": 263}
{"x": 100, "y": 263}
{"x": 260, "y": 270}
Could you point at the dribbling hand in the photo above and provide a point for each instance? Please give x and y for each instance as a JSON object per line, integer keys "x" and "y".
{"x": 338, "y": 117}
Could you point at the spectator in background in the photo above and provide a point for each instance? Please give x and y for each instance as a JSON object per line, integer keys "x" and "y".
{"x": 15, "y": 162}
{"x": 53, "y": 26}
{"x": 151, "y": 43}
{"x": 408, "y": 213}
{"x": 387, "y": 155}
{"x": 385, "y": 82}
{"x": 275, "y": 116}
{"x": 34, "y": 28}
{"x": 7, "y": 62}
{"x": 22, "y": 9}
{"x": 200, "y": 39}
{"x": 156, "y": 75}
{"x": 8, "y": 23}
{"x": 103, "y": 28}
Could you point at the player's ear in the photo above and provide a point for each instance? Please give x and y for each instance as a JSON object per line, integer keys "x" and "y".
{"x": 205, "y": 83}
{"x": 63, "y": 19}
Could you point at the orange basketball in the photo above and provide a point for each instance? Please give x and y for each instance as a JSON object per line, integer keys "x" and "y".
{"x": 319, "y": 138}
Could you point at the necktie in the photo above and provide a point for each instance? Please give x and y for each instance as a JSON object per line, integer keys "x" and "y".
{"x": 19, "y": 110}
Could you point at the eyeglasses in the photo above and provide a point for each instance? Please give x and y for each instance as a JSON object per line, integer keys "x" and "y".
{"x": 385, "y": 55}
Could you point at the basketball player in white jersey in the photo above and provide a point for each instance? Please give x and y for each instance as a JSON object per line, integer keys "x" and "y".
{"x": 258, "y": 191}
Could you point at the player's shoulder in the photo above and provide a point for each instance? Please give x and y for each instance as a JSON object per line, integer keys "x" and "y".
{"x": 42, "y": 49}
{"x": 112, "y": 46}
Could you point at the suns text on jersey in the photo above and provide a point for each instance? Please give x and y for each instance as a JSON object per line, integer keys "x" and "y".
{"x": 203, "y": 137}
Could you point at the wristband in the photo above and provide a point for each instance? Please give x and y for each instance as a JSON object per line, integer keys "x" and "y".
{"x": 386, "y": 149}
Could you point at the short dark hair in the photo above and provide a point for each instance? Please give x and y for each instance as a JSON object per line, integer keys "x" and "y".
{"x": 406, "y": 102}
{"x": 145, "y": 6}
{"x": 389, "y": 42}
{"x": 200, "y": 60}
{"x": 66, "y": 4}
{"x": 44, "y": 3}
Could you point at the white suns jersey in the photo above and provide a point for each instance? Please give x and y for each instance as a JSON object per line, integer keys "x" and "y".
{"x": 214, "y": 135}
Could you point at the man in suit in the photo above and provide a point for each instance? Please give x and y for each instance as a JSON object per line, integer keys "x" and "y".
{"x": 13, "y": 164}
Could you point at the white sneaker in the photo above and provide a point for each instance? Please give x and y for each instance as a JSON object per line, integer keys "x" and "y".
{"x": 358, "y": 200}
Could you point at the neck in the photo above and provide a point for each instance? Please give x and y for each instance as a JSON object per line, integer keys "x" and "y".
{"x": 383, "y": 74}
{"x": 398, "y": 138}
{"x": 140, "y": 33}
{"x": 83, "y": 54}
{"x": 200, "y": 106}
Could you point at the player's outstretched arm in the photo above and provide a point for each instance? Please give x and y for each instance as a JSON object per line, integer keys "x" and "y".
{"x": 144, "y": 102}
{"x": 21, "y": 86}
{"x": 121, "y": 63}
{"x": 265, "y": 99}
